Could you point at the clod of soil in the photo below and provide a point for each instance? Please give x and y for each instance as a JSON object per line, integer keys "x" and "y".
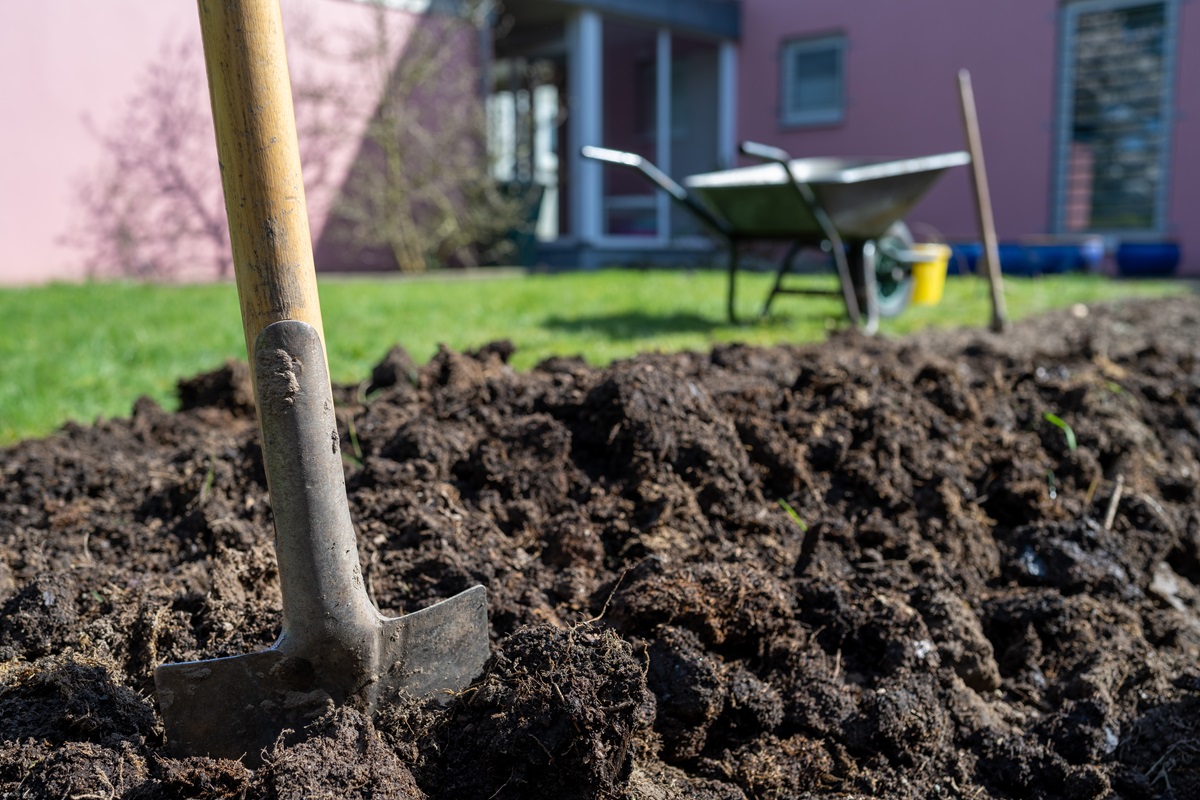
{"x": 953, "y": 599}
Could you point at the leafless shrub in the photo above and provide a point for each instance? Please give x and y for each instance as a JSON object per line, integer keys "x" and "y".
{"x": 419, "y": 188}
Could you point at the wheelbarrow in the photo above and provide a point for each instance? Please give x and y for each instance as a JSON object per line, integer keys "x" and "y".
{"x": 849, "y": 207}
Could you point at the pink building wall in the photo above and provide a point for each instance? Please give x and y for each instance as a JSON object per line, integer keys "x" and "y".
{"x": 59, "y": 62}
{"x": 901, "y": 93}
{"x": 63, "y": 62}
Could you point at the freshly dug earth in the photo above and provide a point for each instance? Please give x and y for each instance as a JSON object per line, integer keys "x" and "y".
{"x": 959, "y": 566}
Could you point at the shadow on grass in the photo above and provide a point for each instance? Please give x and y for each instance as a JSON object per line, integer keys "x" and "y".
{"x": 630, "y": 325}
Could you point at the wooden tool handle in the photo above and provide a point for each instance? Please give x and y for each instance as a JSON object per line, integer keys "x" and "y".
{"x": 983, "y": 201}
{"x": 260, "y": 164}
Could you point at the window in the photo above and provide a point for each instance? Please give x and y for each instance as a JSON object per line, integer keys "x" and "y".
{"x": 813, "y": 81}
{"x": 1114, "y": 115}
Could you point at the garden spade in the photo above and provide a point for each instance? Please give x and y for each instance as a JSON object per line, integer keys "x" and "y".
{"x": 335, "y": 647}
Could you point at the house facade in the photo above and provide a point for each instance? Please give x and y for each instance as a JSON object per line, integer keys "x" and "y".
{"x": 1087, "y": 110}
{"x": 109, "y": 152}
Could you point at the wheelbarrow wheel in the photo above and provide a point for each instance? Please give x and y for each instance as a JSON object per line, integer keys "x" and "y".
{"x": 893, "y": 280}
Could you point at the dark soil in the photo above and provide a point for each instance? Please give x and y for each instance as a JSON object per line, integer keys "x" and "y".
{"x": 959, "y": 604}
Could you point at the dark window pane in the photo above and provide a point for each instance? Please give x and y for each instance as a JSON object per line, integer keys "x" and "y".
{"x": 1117, "y": 131}
{"x": 817, "y": 80}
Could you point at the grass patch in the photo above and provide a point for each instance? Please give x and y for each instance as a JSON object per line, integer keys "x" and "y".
{"x": 81, "y": 351}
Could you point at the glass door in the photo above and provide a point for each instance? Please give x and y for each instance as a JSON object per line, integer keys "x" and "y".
{"x": 629, "y": 114}
{"x": 695, "y": 119}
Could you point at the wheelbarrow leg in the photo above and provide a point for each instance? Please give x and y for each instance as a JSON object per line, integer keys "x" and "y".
{"x": 844, "y": 277}
{"x": 822, "y": 218}
{"x": 870, "y": 289}
{"x": 785, "y": 267}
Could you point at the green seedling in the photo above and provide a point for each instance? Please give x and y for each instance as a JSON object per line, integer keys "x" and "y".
{"x": 791, "y": 512}
{"x": 1058, "y": 422}
{"x": 209, "y": 477}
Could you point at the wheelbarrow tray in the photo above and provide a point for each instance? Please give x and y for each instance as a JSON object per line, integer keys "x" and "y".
{"x": 863, "y": 197}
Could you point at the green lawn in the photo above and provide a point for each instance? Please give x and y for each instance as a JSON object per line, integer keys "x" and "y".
{"x": 81, "y": 351}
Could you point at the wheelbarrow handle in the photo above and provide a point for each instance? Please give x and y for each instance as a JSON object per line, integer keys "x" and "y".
{"x": 765, "y": 152}
{"x": 781, "y": 157}
{"x": 624, "y": 159}
{"x": 662, "y": 181}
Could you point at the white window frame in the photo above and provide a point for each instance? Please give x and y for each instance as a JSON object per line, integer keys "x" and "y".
{"x": 586, "y": 91}
{"x": 798, "y": 118}
{"x": 727, "y": 108}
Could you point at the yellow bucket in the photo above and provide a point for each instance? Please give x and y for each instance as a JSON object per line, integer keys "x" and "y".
{"x": 929, "y": 275}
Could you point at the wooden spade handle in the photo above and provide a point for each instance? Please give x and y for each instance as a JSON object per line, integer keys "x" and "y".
{"x": 260, "y": 164}
{"x": 983, "y": 202}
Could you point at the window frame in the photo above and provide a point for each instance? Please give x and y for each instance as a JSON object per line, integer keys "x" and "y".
{"x": 815, "y": 117}
{"x": 1068, "y": 14}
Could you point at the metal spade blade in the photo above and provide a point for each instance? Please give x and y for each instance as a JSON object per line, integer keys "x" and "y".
{"x": 335, "y": 646}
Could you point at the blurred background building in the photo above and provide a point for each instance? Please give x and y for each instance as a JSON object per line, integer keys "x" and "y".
{"x": 1086, "y": 106}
